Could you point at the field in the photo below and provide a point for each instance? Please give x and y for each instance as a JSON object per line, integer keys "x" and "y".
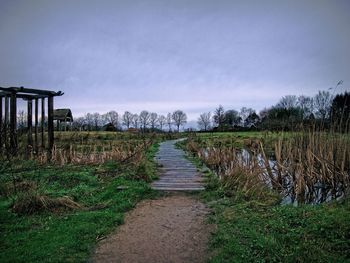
{"x": 57, "y": 211}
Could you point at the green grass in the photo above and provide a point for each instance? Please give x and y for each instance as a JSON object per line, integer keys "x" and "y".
{"x": 264, "y": 231}
{"x": 66, "y": 235}
{"x": 256, "y": 232}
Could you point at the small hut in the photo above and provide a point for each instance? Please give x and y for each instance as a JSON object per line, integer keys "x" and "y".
{"x": 109, "y": 127}
{"x": 62, "y": 115}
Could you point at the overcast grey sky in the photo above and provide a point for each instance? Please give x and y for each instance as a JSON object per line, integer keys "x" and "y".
{"x": 167, "y": 55}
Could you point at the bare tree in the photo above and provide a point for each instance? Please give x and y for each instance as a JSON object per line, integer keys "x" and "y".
{"x": 89, "y": 121}
{"x": 153, "y": 119}
{"x": 135, "y": 121}
{"x": 244, "y": 113}
{"x": 161, "y": 121}
{"x": 179, "y": 118}
{"x": 144, "y": 119}
{"x": 79, "y": 123}
{"x": 288, "y": 102}
{"x": 128, "y": 119}
{"x": 169, "y": 121}
{"x": 323, "y": 101}
{"x": 97, "y": 119}
{"x": 112, "y": 117}
{"x": 219, "y": 116}
{"x": 306, "y": 104}
{"x": 204, "y": 121}
{"x": 21, "y": 119}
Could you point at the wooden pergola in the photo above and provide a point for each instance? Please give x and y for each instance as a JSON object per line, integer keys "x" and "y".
{"x": 8, "y": 117}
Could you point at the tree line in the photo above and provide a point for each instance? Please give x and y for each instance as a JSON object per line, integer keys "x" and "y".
{"x": 323, "y": 109}
{"x": 291, "y": 111}
{"x": 144, "y": 121}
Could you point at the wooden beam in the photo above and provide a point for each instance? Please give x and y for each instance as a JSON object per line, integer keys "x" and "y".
{"x": 42, "y": 122}
{"x": 50, "y": 128}
{"x": 22, "y": 96}
{"x": 13, "y": 123}
{"x": 36, "y": 121}
{"x": 30, "y": 125}
{"x": 32, "y": 91}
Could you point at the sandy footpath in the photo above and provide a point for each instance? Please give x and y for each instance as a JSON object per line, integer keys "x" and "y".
{"x": 169, "y": 229}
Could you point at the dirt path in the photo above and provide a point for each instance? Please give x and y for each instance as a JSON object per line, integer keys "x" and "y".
{"x": 169, "y": 229}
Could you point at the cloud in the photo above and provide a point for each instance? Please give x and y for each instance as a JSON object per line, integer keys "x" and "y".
{"x": 162, "y": 56}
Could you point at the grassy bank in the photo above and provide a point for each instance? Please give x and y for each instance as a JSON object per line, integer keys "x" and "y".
{"x": 57, "y": 213}
{"x": 254, "y": 231}
{"x": 254, "y": 227}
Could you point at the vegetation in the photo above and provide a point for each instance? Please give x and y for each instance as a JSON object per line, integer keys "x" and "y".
{"x": 252, "y": 225}
{"x": 57, "y": 212}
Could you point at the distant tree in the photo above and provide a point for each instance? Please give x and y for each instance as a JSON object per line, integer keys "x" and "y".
{"x": 322, "y": 102}
{"x": 219, "y": 116}
{"x": 281, "y": 118}
{"x": 112, "y": 117}
{"x": 306, "y": 104}
{"x": 127, "y": 119}
{"x": 263, "y": 114}
{"x": 169, "y": 121}
{"x": 252, "y": 120}
{"x": 21, "y": 119}
{"x": 232, "y": 118}
{"x": 288, "y": 102}
{"x": 204, "y": 121}
{"x": 97, "y": 119}
{"x": 144, "y": 119}
{"x": 153, "y": 119}
{"x": 244, "y": 113}
{"x": 89, "y": 121}
{"x": 179, "y": 118}
{"x": 340, "y": 110}
{"x": 161, "y": 121}
{"x": 135, "y": 121}
{"x": 78, "y": 123}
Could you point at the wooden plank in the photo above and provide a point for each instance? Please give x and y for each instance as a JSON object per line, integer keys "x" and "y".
{"x": 36, "y": 120}
{"x": 50, "y": 127}
{"x": 13, "y": 123}
{"x": 177, "y": 173}
{"x": 43, "y": 123}
{"x": 30, "y": 125}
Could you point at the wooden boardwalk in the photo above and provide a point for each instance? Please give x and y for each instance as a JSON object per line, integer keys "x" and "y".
{"x": 176, "y": 172}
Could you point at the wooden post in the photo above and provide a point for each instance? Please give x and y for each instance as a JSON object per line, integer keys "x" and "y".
{"x": 1, "y": 128}
{"x": 50, "y": 128}
{"x": 6, "y": 122}
{"x": 13, "y": 123}
{"x": 43, "y": 123}
{"x": 29, "y": 125}
{"x": 36, "y": 115}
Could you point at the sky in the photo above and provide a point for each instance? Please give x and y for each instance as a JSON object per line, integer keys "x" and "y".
{"x": 166, "y": 55}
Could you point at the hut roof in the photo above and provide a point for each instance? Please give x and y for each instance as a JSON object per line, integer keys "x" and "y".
{"x": 63, "y": 115}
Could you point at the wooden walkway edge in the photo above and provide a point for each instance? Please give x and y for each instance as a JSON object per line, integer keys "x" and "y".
{"x": 176, "y": 172}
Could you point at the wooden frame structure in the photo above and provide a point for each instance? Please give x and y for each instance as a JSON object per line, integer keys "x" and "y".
{"x": 8, "y": 118}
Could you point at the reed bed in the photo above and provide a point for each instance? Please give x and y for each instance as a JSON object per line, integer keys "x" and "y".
{"x": 89, "y": 148}
{"x": 305, "y": 167}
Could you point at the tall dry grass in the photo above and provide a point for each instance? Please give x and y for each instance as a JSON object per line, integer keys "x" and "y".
{"x": 307, "y": 167}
